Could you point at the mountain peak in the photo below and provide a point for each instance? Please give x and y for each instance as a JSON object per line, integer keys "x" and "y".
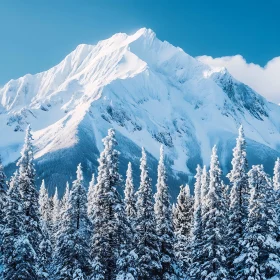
{"x": 146, "y": 32}
{"x": 151, "y": 92}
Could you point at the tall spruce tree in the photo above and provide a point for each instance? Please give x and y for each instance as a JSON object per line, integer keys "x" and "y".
{"x": 72, "y": 253}
{"x": 238, "y": 198}
{"x": 56, "y": 208}
{"x": 90, "y": 198}
{"x": 19, "y": 257}
{"x": 276, "y": 186}
{"x": 259, "y": 258}
{"x": 147, "y": 243}
{"x": 182, "y": 219}
{"x": 110, "y": 228}
{"x": 197, "y": 227}
{"x": 164, "y": 224}
{"x": 65, "y": 197}
{"x": 44, "y": 207}
{"x": 129, "y": 192}
{"x": 130, "y": 208}
{"x": 213, "y": 252}
{"x": 204, "y": 184}
{"x": 226, "y": 197}
{"x": 46, "y": 223}
{"x": 276, "y": 175}
{"x": 30, "y": 196}
{"x": 3, "y": 200}
{"x": 45, "y": 253}
{"x": 56, "y": 216}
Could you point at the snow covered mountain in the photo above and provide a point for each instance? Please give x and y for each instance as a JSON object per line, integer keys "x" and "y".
{"x": 149, "y": 91}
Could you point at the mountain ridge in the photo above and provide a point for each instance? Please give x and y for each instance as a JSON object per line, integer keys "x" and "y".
{"x": 151, "y": 92}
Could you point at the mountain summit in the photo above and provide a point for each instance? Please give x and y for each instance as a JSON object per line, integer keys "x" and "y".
{"x": 151, "y": 92}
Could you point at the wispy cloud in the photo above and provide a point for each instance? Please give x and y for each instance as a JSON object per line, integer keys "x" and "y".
{"x": 265, "y": 80}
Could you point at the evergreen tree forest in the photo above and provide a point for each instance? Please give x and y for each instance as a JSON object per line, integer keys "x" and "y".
{"x": 115, "y": 229}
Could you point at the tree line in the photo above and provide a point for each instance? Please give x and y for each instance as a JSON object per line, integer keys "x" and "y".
{"x": 94, "y": 233}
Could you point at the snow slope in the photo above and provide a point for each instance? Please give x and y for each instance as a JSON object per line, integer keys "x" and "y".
{"x": 148, "y": 90}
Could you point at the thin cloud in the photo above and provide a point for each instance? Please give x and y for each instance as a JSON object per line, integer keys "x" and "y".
{"x": 264, "y": 80}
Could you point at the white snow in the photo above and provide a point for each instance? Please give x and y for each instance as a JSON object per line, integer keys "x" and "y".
{"x": 144, "y": 82}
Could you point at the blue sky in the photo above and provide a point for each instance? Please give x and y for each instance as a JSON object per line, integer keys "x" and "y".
{"x": 36, "y": 35}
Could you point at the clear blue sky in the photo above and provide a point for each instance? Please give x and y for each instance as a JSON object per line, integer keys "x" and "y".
{"x": 37, "y": 34}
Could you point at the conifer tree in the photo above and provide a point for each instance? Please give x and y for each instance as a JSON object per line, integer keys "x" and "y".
{"x": 129, "y": 192}
{"x": 44, "y": 207}
{"x": 213, "y": 254}
{"x": 3, "y": 199}
{"x": 198, "y": 256}
{"x": 276, "y": 186}
{"x": 65, "y": 197}
{"x": 110, "y": 228}
{"x": 259, "y": 258}
{"x": 92, "y": 182}
{"x": 45, "y": 253}
{"x": 30, "y": 196}
{"x": 56, "y": 208}
{"x": 238, "y": 197}
{"x": 276, "y": 175}
{"x": 72, "y": 253}
{"x": 184, "y": 212}
{"x": 51, "y": 210}
{"x": 130, "y": 210}
{"x": 56, "y": 215}
{"x": 19, "y": 258}
{"x": 197, "y": 228}
{"x": 126, "y": 257}
{"x": 204, "y": 184}
{"x": 147, "y": 249}
{"x": 90, "y": 198}
{"x": 182, "y": 218}
{"x": 46, "y": 226}
{"x": 197, "y": 190}
{"x": 226, "y": 199}
{"x": 43, "y": 201}
{"x": 163, "y": 215}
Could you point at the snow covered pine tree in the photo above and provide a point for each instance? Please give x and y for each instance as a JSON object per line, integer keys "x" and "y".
{"x": 197, "y": 228}
{"x": 259, "y": 258}
{"x": 44, "y": 207}
{"x": 30, "y": 197}
{"x": 111, "y": 238}
{"x": 19, "y": 257}
{"x": 182, "y": 219}
{"x": 3, "y": 200}
{"x": 72, "y": 254}
{"x": 213, "y": 252}
{"x": 56, "y": 215}
{"x": 90, "y": 198}
{"x": 130, "y": 198}
{"x": 238, "y": 199}
{"x": 163, "y": 215}
{"x": 147, "y": 242}
{"x": 65, "y": 198}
